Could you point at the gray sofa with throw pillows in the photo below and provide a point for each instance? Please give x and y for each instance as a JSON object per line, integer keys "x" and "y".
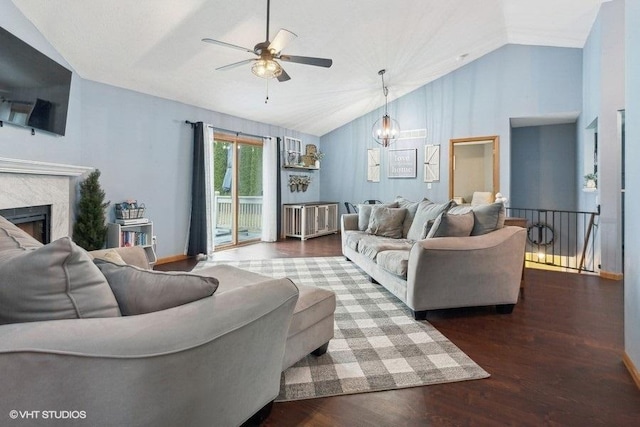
{"x": 438, "y": 255}
{"x": 103, "y": 343}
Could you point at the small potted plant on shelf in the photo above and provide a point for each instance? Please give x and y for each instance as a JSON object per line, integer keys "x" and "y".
{"x": 317, "y": 156}
{"x": 591, "y": 180}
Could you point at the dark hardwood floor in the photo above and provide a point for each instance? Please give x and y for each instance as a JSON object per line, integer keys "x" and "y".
{"x": 556, "y": 360}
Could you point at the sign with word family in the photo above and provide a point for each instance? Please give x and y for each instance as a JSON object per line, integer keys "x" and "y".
{"x": 402, "y": 163}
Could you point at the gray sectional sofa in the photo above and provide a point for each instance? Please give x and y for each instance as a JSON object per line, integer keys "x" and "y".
{"x": 142, "y": 348}
{"x": 434, "y": 256}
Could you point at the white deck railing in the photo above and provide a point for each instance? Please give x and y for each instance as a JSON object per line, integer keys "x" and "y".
{"x": 249, "y": 212}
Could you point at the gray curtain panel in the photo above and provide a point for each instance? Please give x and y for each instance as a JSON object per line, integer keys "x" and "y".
{"x": 198, "y": 226}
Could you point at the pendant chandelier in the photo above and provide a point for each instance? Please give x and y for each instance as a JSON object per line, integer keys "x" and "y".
{"x": 386, "y": 130}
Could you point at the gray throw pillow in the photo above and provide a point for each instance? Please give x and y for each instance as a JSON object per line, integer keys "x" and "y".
{"x": 52, "y": 282}
{"x": 12, "y": 237}
{"x": 386, "y": 221}
{"x": 447, "y": 225}
{"x": 140, "y": 291}
{"x": 427, "y": 211}
{"x": 364, "y": 213}
{"x": 488, "y": 218}
{"x": 411, "y": 208}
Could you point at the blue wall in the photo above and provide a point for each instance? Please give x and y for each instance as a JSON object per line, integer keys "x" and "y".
{"x": 139, "y": 142}
{"x": 632, "y": 199}
{"x": 475, "y": 100}
{"x": 538, "y": 182}
{"x": 604, "y": 71}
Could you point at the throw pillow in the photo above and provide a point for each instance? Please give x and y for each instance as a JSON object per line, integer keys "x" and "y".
{"x": 427, "y": 211}
{"x": 488, "y": 218}
{"x": 108, "y": 255}
{"x": 52, "y": 282}
{"x": 364, "y": 213}
{"x": 447, "y": 225}
{"x": 12, "y": 237}
{"x": 140, "y": 291}
{"x": 386, "y": 221}
{"x": 411, "y": 208}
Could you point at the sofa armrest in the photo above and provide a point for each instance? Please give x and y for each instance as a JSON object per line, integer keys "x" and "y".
{"x": 132, "y": 255}
{"x": 218, "y": 358}
{"x": 466, "y": 271}
{"x": 349, "y": 222}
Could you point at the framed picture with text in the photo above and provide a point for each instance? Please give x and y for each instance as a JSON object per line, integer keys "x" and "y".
{"x": 402, "y": 163}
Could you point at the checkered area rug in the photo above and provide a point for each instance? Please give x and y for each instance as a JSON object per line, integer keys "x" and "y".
{"x": 377, "y": 344}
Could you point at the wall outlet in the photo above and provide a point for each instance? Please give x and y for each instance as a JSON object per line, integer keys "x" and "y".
{"x": 429, "y": 186}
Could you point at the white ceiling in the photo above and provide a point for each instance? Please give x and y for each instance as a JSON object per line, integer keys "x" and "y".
{"x": 154, "y": 47}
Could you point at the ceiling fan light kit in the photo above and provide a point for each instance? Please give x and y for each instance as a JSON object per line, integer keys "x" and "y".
{"x": 385, "y": 130}
{"x": 266, "y": 66}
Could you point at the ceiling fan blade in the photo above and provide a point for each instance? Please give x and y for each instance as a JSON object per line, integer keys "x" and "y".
{"x": 225, "y": 44}
{"x": 284, "y": 76}
{"x": 319, "y": 62}
{"x": 234, "y": 65}
{"x": 282, "y": 39}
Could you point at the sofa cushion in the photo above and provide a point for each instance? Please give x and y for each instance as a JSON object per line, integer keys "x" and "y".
{"x": 386, "y": 222}
{"x": 488, "y": 218}
{"x": 364, "y": 213}
{"x": 140, "y": 291}
{"x": 370, "y": 246}
{"x": 394, "y": 261}
{"x": 352, "y": 238}
{"x": 51, "y": 282}
{"x": 411, "y": 208}
{"x": 427, "y": 211}
{"x": 447, "y": 225}
{"x": 12, "y": 237}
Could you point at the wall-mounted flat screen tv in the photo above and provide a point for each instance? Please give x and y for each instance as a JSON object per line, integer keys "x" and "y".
{"x": 34, "y": 89}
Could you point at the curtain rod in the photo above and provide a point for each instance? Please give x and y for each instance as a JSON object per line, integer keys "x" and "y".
{"x": 236, "y": 133}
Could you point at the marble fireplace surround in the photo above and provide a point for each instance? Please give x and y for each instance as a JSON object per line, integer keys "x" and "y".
{"x": 25, "y": 183}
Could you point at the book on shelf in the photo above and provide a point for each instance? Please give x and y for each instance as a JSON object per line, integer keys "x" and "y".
{"x": 134, "y": 238}
{"x": 134, "y": 221}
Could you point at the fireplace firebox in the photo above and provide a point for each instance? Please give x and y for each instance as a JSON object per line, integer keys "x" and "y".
{"x": 34, "y": 220}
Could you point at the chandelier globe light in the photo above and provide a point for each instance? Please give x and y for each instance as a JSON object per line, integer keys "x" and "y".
{"x": 386, "y": 130}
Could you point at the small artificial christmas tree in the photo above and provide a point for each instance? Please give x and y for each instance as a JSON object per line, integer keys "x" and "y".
{"x": 89, "y": 231}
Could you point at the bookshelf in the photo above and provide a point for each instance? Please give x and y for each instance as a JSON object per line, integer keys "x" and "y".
{"x": 138, "y": 233}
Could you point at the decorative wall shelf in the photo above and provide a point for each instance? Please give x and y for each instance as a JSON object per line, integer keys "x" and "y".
{"x": 308, "y": 168}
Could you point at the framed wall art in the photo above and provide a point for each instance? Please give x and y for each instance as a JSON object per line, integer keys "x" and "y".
{"x": 373, "y": 165}
{"x": 402, "y": 163}
{"x": 431, "y": 163}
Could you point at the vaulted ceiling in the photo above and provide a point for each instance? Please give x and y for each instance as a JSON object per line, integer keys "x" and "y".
{"x": 155, "y": 47}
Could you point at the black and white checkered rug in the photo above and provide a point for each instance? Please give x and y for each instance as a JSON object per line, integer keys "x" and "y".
{"x": 377, "y": 344}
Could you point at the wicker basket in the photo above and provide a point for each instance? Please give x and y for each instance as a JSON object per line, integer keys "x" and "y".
{"x": 129, "y": 213}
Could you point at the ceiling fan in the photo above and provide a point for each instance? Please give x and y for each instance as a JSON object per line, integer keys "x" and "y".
{"x": 265, "y": 65}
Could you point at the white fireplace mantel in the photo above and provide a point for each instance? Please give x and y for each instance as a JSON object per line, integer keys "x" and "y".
{"x": 41, "y": 168}
{"x": 26, "y": 183}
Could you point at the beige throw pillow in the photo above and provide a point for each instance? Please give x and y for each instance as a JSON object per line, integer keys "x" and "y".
{"x": 386, "y": 221}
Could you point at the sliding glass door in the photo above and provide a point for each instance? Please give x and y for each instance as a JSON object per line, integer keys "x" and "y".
{"x": 237, "y": 190}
